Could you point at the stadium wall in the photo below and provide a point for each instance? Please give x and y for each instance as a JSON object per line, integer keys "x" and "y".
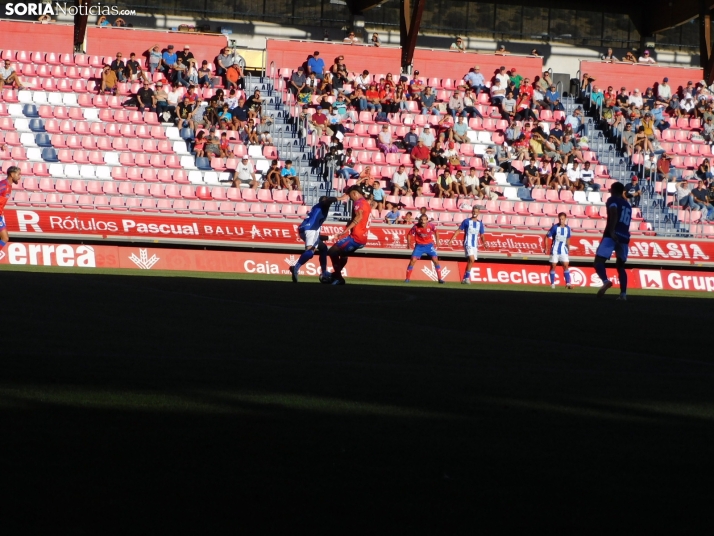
{"x": 88, "y": 257}
{"x": 268, "y": 233}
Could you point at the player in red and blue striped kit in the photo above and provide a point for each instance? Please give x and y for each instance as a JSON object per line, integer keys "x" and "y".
{"x": 426, "y": 237}
{"x": 13, "y": 177}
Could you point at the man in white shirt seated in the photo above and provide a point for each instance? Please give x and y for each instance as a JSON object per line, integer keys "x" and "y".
{"x": 498, "y": 93}
{"x": 574, "y": 176}
{"x": 244, "y": 174}
{"x": 400, "y": 178}
{"x": 664, "y": 91}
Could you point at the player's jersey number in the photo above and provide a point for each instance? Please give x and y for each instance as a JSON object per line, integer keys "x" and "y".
{"x": 625, "y": 216}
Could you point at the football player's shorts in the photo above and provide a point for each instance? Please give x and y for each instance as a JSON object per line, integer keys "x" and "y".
{"x": 348, "y": 245}
{"x": 555, "y": 258}
{"x": 608, "y": 245}
{"x": 2, "y": 223}
{"x": 311, "y": 238}
{"x": 471, "y": 251}
{"x": 424, "y": 249}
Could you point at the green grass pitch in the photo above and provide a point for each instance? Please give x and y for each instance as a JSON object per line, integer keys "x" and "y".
{"x": 179, "y": 404}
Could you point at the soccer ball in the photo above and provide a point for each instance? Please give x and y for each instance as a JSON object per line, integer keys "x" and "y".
{"x": 326, "y": 278}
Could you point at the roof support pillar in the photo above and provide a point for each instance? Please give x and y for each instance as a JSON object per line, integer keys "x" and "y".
{"x": 409, "y": 23}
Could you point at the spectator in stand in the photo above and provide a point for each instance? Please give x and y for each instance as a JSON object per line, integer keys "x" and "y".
{"x": 436, "y": 155}
{"x": 297, "y": 81}
{"x": 459, "y": 132}
{"x": 664, "y": 169}
{"x": 245, "y": 175}
{"x": 444, "y": 186}
{"x": 427, "y": 137}
{"x": 118, "y": 66}
{"x": 213, "y": 144}
{"x": 320, "y": 123}
{"x": 408, "y": 219}
{"x": 186, "y": 55}
{"x": 635, "y": 99}
{"x": 498, "y": 93}
{"x": 700, "y": 195}
{"x": 531, "y": 174}
{"x": 226, "y": 151}
{"x": 515, "y": 79}
{"x": 162, "y": 104}
{"x": 8, "y": 76}
{"x": 416, "y": 87}
{"x": 254, "y": 104}
{"x": 315, "y": 64}
{"x": 290, "y": 176}
{"x": 646, "y": 58}
{"x": 385, "y": 142}
{"x": 362, "y": 81}
{"x": 609, "y": 56}
{"x": 471, "y": 184}
{"x": 146, "y": 98}
{"x": 351, "y": 39}
{"x": 428, "y": 102}
{"x": 704, "y": 171}
{"x": 629, "y": 57}
{"x": 587, "y": 178}
{"x": 685, "y": 199}
{"x": 456, "y": 104}
{"x": 501, "y": 50}
{"x": 375, "y": 41}
{"x": 119, "y": 23}
{"x": 223, "y": 61}
{"x": 377, "y": 196}
{"x": 372, "y": 96}
{"x": 410, "y": 139}
{"x": 502, "y": 76}
{"x": 205, "y": 75}
{"x": 103, "y": 22}
{"x": 155, "y": 57}
{"x": 475, "y": 79}
{"x": 132, "y": 68}
{"x": 632, "y": 191}
{"x": 180, "y": 73}
{"x": 551, "y": 96}
{"x": 416, "y": 183}
{"x": 400, "y": 181}
{"x": 508, "y": 107}
{"x": 393, "y": 215}
{"x": 458, "y": 45}
{"x": 575, "y": 121}
{"x": 168, "y": 60}
{"x": 597, "y": 97}
{"x": 420, "y": 155}
{"x": 664, "y": 92}
{"x": 272, "y": 180}
{"x": 109, "y": 81}
{"x": 347, "y": 164}
{"x": 470, "y": 103}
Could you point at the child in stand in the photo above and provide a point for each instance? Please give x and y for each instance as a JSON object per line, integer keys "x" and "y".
{"x": 226, "y": 151}
{"x": 199, "y": 144}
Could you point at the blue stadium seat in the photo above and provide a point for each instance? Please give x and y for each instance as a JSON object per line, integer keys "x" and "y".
{"x": 524, "y": 194}
{"x": 49, "y": 155}
{"x": 37, "y": 125}
{"x": 514, "y": 179}
{"x": 43, "y": 140}
{"x": 203, "y": 164}
{"x": 30, "y": 110}
{"x": 186, "y": 134}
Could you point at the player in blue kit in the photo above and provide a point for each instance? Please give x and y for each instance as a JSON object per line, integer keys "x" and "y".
{"x": 616, "y": 237}
{"x": 560, "y": 235}
{"x": 309, "y": 231}
{"x": 473, "y": 234}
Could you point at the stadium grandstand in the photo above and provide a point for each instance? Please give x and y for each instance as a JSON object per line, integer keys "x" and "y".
{"x": 216, "y": 126}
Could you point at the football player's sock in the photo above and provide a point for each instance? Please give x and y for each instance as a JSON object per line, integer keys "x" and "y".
{"x": 437, "y": 267}
{"x": 409, "y": 272}
{"x": 552, "y": 277}
{"x": 306, "y": 256}
{"x": 601, "y": 272}
{"x": 566, "y": 273}
{"x": 322, "y": 249}
{"x": 622, "y": 274}
{"x": 2, "y": 244}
